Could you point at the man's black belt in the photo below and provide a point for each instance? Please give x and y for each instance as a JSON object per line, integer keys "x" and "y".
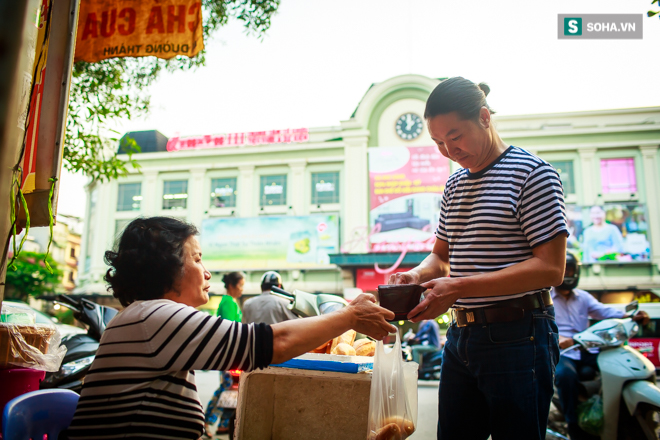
{"x": 503, "y": 311}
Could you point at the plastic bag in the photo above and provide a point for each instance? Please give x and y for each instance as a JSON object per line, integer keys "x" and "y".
{"x": 390, "y": 414}
{"x": 590, "y": 415}
{"x": 25, "y": 344}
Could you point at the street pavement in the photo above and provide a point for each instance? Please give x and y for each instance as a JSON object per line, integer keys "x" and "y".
{"x": 427, "y": 394}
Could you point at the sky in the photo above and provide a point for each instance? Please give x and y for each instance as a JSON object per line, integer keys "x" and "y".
{"x": 319, "y": 58}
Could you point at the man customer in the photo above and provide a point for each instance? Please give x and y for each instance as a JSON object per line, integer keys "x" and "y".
{"x": 502, "y": 238}
{"x": 266, "y": 307}
{"x": 573, "y": 308}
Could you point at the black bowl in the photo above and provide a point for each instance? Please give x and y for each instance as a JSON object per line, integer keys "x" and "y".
{"x": 400, "y": 298}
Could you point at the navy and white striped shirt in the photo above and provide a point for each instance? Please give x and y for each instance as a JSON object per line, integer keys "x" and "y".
{"x": 141, "y": 383}
{"x": 493, "y": 218}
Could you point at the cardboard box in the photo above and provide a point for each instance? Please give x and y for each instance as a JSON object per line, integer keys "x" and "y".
{"x": 295, "y": 404}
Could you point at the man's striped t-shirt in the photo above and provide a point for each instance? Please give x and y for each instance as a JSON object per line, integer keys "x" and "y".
{"x": 493, "y": 218}
{"x": 141, "y": 383}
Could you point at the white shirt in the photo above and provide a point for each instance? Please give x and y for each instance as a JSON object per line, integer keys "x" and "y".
{"x": 572, "y": 314}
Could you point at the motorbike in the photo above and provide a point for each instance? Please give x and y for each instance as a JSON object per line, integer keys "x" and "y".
{"x": 430, "y": 362}
{"x": 626, "y": 381}
{"x": 306, "y": 304}
{"x": 431, "y": 365}
{"x": 81, "y": 348}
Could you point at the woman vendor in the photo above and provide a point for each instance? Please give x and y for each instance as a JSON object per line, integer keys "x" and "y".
{"x": 141, "y": 383}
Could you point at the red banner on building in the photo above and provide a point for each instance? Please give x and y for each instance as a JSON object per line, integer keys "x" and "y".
{"x": 130, "y": 28}
{"x": 238, "y": 139}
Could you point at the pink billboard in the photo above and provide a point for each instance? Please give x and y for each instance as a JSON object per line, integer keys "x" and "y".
{"x": 406, "y": 185}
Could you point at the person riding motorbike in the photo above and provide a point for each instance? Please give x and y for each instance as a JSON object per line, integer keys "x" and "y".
{"x": 573, "y": 308}
{"x": 266, "y": 307}
{"x": 426, "y": 340}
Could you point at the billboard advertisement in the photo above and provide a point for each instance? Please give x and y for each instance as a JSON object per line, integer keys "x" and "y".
{"x": 611, "y": 233}
{"x": 273, "y": 242}
{"x": 406, "y": 185}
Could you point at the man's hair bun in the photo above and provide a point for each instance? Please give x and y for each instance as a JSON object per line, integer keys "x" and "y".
{"x": 484, "y": 88}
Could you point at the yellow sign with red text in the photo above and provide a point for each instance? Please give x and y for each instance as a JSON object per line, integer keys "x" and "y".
{"x": 138, "y": 28}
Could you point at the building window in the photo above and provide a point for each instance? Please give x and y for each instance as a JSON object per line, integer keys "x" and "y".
{"x": 129, "y": 197}
{"x": 175, "y": 194}
{"x": 73, "y": 252}
{"x": 618, "y": 175}
{"x": 273, "y": 190}
{"x": 223, "y": 193}
{"x": 325, "y": 188}
{"x": 565, "y": 170}
{"x": 71, "y": 277}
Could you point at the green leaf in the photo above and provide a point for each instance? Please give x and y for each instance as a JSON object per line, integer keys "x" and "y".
{"x": 30, "y": 277}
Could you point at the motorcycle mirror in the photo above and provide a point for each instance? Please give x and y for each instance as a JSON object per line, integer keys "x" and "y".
{"x": 88, "y": 304}
{"x": 67, "y": 305}
{"x": 66, "y": 300}
{"x": 282, "y": 294}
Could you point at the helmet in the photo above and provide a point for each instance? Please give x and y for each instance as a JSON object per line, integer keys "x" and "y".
{"x": 270, "y": 279}
{"x": 571, "y": 274}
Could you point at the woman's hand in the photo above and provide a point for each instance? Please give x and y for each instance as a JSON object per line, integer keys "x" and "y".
{"x": 369, "y": 318}
{"x": 297, "y": 336}
{"x": 409, "y": 277}
{"x": 437, "y": 300}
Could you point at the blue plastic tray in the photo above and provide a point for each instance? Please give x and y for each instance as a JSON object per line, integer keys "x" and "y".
{"x": 340, "y": 364}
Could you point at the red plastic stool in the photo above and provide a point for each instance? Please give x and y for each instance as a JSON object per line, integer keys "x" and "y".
{"x": 17, "y": 381}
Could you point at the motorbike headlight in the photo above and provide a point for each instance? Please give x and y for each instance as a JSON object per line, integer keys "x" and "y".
{"x": 69, "y": 369}
{"x": 73, "y": 367}
{"x": 614, "y": 335}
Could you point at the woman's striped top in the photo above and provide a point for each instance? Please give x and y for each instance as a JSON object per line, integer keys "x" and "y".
{"x": 493, "y": 218}
{"x": 141, "y": 383}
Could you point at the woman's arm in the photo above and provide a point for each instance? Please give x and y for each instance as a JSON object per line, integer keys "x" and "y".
{"x": 545, "y": 268}
{"x": 295, "y": 337}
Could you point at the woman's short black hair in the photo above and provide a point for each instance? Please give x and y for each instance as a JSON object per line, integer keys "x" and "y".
{"x": 232, "y": 279}
{"x": 458, "y": 95}
{"x": 147, "y": 259}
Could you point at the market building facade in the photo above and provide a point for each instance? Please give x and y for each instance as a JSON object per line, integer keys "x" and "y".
{"x": 335, "y": 209}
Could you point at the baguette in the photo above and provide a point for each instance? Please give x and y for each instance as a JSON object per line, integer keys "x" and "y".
{"x": 365, "y": 347}
{"x": 346, "y": 338}
{"x": 390, "y": 431}
{"x": 344, "y": 349}
{"x": 406, "y": 425}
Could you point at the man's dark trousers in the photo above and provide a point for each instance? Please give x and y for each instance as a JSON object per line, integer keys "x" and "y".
{"x": 497, "y": 379}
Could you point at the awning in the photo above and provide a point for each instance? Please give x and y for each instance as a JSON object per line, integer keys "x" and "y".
{"x": 383, "y": 260}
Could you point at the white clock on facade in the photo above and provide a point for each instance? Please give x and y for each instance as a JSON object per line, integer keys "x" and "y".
{"x": 408, "y": 126}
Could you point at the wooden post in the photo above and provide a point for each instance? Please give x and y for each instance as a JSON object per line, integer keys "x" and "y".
{"x": 16, "y": 32}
